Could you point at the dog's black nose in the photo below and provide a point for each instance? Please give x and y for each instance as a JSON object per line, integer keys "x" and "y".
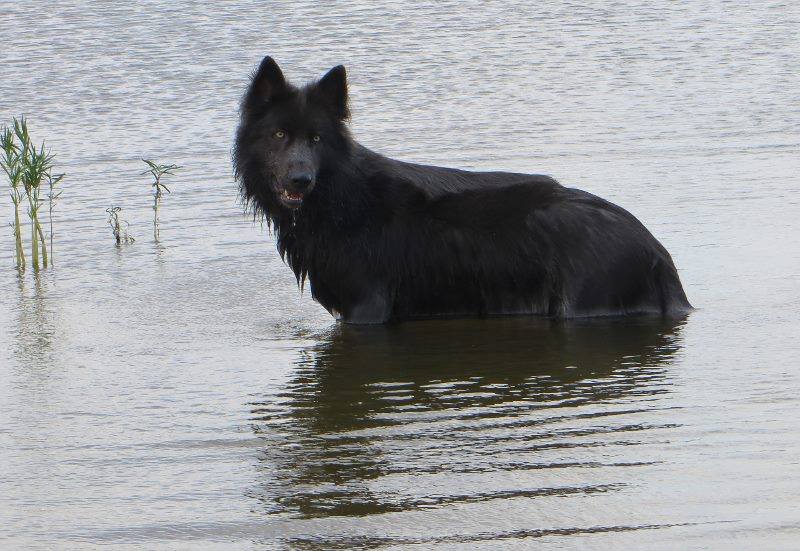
{"x": 301, "y": 181}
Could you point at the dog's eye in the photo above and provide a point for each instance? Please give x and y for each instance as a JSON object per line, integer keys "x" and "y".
{"x": 279, "y": 134}
{"x": 315, "y": 138}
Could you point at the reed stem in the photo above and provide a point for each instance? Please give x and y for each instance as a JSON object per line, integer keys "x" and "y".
{"x": 52, "y": 181}
{"x": 20, "y": 251}
{"x": 12, "y": 163}
{"x": 34, "y": 249}
{"x": 43, "y": 240}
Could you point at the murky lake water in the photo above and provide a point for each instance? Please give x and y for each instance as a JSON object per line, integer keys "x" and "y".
{"x": 183, "y": 394}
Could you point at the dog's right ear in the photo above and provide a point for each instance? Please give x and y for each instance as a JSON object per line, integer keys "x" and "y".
{"x": 268, "y": 81}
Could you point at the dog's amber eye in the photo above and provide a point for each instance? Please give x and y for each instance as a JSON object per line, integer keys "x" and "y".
{"x": 279, "y": 134}
{"x": 315, "y": 137}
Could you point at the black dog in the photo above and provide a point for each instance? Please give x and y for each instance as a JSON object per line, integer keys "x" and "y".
{"x": 381, "y": 240}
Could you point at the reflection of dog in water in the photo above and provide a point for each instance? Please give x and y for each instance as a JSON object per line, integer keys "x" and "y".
{"x": 460, "y": 395}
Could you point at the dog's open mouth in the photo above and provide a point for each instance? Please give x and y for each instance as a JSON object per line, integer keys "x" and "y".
{"x": 292, "y": 198}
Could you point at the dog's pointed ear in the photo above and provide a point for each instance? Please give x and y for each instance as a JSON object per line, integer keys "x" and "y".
{"x": 268, "y": 80}
{"x": 332, "y": 89}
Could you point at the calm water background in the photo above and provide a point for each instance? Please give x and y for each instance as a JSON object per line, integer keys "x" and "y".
{"x": 183, "y": 393}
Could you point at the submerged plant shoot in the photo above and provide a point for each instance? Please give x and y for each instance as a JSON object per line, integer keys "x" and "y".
{"x": 118, "y": 227}
{"x": 52, "y": 196}
{"x": 158, "y": 171}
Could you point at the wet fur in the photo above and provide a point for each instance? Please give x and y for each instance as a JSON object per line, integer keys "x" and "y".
{"x": 383, "y": 240}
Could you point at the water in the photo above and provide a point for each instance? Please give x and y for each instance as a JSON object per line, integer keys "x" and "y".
{"x": 182, "y": 393}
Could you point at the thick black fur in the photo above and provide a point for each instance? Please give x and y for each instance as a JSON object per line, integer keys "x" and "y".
{"x": 382, "y": 240}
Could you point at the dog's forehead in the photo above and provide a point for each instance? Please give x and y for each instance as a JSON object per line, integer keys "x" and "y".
{"x": 297, "y": 111}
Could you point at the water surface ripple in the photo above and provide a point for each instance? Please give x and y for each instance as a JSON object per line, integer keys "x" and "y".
{"x": 182, "y": 393}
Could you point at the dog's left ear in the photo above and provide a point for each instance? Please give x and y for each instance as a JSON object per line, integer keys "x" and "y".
{"x": 332, "y": 90}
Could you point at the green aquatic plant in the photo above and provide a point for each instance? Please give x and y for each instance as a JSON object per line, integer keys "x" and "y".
{"x": 36, "y": 166}
{"x": 120, "y": 231}
{"x": 12, "y": 166}
{"x": 158, "y": 171}
{"x": 52, "y": 196}
{"x": 26, "y": 167}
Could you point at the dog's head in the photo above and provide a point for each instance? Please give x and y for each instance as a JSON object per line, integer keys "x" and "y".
{"x": 288, "y": 136}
